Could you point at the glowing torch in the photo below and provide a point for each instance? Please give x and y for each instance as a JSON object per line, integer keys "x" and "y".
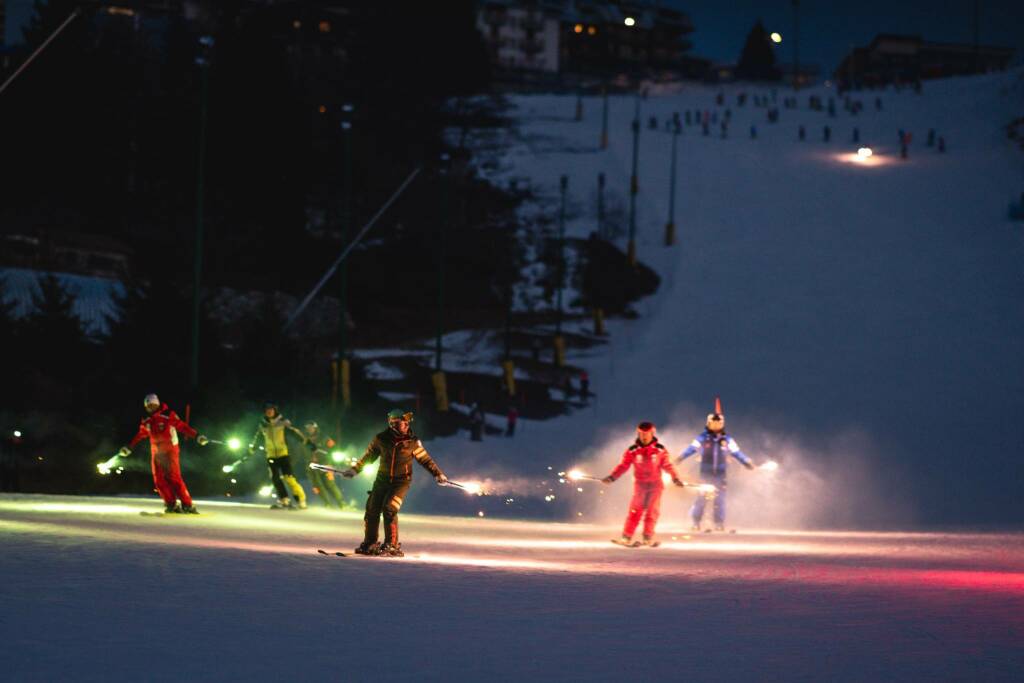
{"x": 471, "y": 487}
{"x": 576, "y": 475}
{"x": 107, "y": 466}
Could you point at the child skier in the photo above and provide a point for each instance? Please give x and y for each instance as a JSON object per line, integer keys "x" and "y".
{"x": 272, "y": 428}
{"x": 163, "y": 428}
{"x": 715, "y": 446}
{"x": 323, "y": 482}
{"x": 396, "y": 448}
{"x": 648, "y": 458}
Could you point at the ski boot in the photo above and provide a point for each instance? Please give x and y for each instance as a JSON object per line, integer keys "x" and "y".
{"x": 189, "y": 510}
{"x": 649, "y": 541}
{"x": 695, "y": 528}
{"x": 282, "y": 504}
{"x": 391, "y": 550}
{"x": 368, "y": 549}
{"x": 719, "y": 527}
{"x": 173, "y": 509}
{"x": 302, "y": 505}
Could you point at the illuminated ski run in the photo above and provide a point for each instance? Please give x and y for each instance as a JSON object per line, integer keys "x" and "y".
{"x": 486, "y": 597}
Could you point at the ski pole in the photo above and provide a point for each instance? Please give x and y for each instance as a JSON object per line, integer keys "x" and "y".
{"x": 469, "y": 487}
{"x": 326, "y": 468}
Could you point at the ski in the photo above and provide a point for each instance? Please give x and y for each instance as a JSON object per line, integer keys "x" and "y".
{"x": 147, "y": 513}
{"x": 336, "y": 553}
{"x": 635, "y": 544}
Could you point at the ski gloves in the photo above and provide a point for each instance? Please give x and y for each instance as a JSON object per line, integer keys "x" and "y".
{"x": 441, "y": 479}
{"x": 124, "y": 452}
{"x": 678, "y": 482}
{"x": 608, "y": 480}
{"x": 202, "y": 440}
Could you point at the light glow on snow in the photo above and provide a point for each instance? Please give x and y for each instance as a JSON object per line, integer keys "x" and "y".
{"x": 865, "y": 156}
{"x": 770, "y": 466}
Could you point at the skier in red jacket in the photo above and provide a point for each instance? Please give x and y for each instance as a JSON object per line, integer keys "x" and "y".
{"x": 163, "y": 427}
{"x": 648, "y": 458}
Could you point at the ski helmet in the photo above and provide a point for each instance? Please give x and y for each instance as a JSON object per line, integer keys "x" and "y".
{"x": 312, "y": 427}
{"x": 151, "y": 400}
{"x": 716, "y": 420}
{"x": 397, "y": 415}
{"x": 645, "y": 427}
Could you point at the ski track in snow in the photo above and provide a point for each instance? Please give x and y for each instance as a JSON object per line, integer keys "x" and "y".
{"x": 94, "y": 591}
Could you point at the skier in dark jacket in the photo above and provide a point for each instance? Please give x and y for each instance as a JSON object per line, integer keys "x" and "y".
{"x": 715, "y": 447}
{"x": 396, "y": 448}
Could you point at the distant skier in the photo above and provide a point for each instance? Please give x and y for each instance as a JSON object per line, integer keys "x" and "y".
{"x": 476, "y": 423}
{"x": 163, "y": 428}
{"x": 511, "y": 418}
{"x": 396, "y": 448}
{"x": 715, "y": 447}
{"x": 272, "y": 428}
{"x": 649, "y": 459}
{"x": 323, "y": 482}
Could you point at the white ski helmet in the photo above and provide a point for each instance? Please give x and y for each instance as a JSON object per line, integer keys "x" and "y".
{"x": 151, "y": 400}
{"x": 716, "y": 420}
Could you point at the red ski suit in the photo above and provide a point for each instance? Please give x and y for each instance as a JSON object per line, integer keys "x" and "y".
{"x": 648, "y": 462}
{"x": 163, "y": 428}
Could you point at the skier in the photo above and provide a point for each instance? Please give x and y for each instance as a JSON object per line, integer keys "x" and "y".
{"x": 648, "y": 458}
{"x": 396, "y": 447}
{"x": 476, "y": 423}
{"x": 272, "y": 428}
{"x": 510, "y": 421}
{"x": 323, "y": 482}
{"x": 714, "y": 446}
{"x": 163, "y": 427}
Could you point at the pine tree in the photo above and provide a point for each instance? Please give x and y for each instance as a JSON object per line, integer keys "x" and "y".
{"x": 757, "y": 61}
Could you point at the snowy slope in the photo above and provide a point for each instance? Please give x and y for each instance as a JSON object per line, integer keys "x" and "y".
{"x": 94, "y": 592}
{"x": 861, "y": 321}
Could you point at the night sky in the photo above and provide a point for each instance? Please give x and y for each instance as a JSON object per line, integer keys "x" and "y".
{"x": 828, "y": 28}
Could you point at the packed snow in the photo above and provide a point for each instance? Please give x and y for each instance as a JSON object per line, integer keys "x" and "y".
{"x": 862, "y": 324}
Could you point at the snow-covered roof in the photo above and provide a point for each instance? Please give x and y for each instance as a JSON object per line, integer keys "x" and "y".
{"x": 93, "y": 296}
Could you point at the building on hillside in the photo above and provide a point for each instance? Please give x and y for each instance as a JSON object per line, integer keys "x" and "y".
{"x": 520, "y": 35}
{"x": 66, "y": 252}
{"x": 907, "y": 59}
{"x": 804, "y": 75}
{"x": 587, "y": 37}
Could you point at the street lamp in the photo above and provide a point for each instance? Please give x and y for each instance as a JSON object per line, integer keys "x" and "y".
{"x": 670, "y": 227}
{"x": 343, "y": 367}
{"x": 203, "y": 61}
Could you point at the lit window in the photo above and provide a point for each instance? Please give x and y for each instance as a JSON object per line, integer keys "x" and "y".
{"x": 324, "y": 26}
{"x": 592, "y": 30}
{"x": 322, "y": 109}
{"x": 578, "y": 28}
{"x": 296, "y": 24}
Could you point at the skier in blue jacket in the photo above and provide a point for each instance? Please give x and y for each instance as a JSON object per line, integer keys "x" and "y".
{"x": 715, "y": 447}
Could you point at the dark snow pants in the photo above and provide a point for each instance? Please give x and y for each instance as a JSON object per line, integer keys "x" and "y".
{"x": 385, "y": 498}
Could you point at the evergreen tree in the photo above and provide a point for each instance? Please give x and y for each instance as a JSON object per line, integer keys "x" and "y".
{"x": 56, "y": 347}
{"x": 757, "y": 61}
